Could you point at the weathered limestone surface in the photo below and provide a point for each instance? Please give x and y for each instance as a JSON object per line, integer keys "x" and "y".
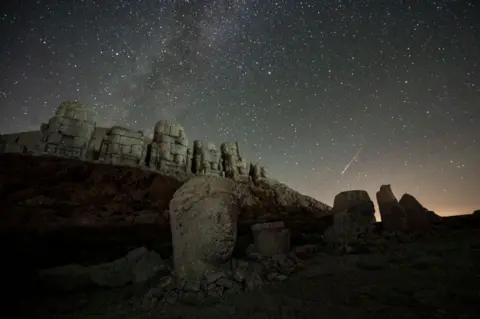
{"x": 393, "y": 215}
{"x": 169, "y": 148}
{"x": 57, "y": 211}
{"x": 206, "y": 159}
{"x": 203, "y": 219}
{"x": 73, "y": 133}
{"x": 123, "y": 146}
{"x": 418, "y": 217}
{"x": 271, "y": 239}
{"x": 353, "y": 214}
{"x": 69, "y": 131}
{"x": 233, "y": 163}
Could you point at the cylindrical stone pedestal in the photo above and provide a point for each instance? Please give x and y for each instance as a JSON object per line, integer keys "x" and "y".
{"x": 271, "y": 238}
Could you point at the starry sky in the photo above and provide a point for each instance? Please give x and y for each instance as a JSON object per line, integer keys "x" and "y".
{"x": 328, "y": 95}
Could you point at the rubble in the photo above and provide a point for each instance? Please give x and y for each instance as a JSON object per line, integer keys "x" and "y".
{"x": 240, "y": 275}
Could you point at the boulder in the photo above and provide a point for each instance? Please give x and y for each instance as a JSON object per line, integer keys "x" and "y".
{"x": 203, "y": 219}
{"x": 392, "y": 214}
{"x": 418, "y": 217}
{"x": 353, "y": 214}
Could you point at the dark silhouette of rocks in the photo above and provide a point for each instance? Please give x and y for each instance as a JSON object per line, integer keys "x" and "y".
{"x": 353, "y": 214}
{"x": 418, "y": 217}
{"x": 393, "y": 215}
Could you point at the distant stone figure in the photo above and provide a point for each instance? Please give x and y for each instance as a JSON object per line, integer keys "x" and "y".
{"x": 254, "y": 172}
{"x": 263, "y": 172}
{"x": 122, "y": 145}
{"x": 393, "y": 215}
{"x": 69, "y": 131}
{"x": 418, "y": 217}
{"x": 353, "y": 214}
{"x": 168, "y": 149}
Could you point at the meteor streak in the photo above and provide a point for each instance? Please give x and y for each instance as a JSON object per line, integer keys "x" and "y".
{"x": 353, "y": 159}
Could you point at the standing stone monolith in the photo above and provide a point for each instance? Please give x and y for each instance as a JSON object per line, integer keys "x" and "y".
{"x": 203, "y": 218}
{"x": 393, "y": 215}
{"x": 418, "y": 217}
{"x": 353, "y": 214}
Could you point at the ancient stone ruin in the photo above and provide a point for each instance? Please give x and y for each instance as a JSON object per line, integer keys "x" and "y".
{"x": 72, "y": 132}
{"x": 393, "y": 215}
{"x": 353, "y": 214}
{"x": 270, "y": 239}
{"x": 418, "y": 217}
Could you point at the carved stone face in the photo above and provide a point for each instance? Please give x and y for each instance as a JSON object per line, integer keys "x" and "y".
{"x": 204, "y": 225}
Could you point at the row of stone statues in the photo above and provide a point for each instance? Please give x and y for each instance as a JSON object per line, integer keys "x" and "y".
{"x": 72, "y": 132}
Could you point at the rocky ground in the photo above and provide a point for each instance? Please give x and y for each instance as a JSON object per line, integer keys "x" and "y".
{"x": 89, "y": 240}
{"x": 432, "y": 278}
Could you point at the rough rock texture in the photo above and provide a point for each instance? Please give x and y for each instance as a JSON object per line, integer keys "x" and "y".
{"x": 56, "y": 211}
{"x": 418, "y": 217}
{"x": 203, "y": 219}
{"x": 392, "y": 214}
{"x": 271, "y": 239}
{"x": 138, "y": 266}
{"x": 248, "y": 274}
{"x": 353, "y": 215}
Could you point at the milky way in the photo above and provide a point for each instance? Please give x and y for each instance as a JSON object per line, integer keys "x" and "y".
{"x": 302, "y": 85}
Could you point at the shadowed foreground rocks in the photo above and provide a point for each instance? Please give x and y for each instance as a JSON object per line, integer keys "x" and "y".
{"x": 57, "y": 211}
{"x": 95, "y": 240}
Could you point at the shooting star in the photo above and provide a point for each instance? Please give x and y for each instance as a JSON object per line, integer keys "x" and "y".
{"x": 353, "y": 159}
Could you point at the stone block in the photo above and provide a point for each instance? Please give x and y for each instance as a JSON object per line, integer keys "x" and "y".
{"x": 271, "y": 239}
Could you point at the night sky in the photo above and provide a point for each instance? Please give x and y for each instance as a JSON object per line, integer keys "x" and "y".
{"x": 329, "y": 95}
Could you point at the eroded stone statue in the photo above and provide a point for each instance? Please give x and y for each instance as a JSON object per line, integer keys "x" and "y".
{"x": 203, "y": 218}
{"x": 168, "y": 150}
{"x": 69, "y": 131}
{"x": 207, "y": 157}
{"x": 392, "y": 214}
{"x": 123, "y": 146}
{"x": 353, "y": 214}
